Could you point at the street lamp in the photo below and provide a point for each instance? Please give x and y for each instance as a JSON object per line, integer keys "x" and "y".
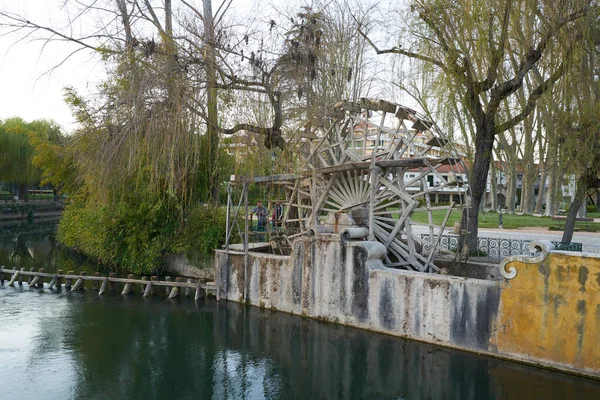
{"x": 500, "y": 186}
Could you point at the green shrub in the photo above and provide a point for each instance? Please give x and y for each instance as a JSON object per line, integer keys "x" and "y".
{"x": 203, "y": 231}
{"x": 131, "y": 237}
{"x": 134, "y": 237}
{"x": 85, "y": 230}
{"x": 592, "y": 208}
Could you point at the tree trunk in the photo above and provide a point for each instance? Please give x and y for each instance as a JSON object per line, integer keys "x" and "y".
{"x": 570, "y": 222}
{"x": 212, "y": 130}
{"x": 551, "y": 192}
{"x": 527, "y": 195}
{"x": 511, "y": 184}
{"x": 541, "y": 192}
{"x": 493, "y": 186}
{"x": 22, "y": 191}
{"x": 484, "y": 142}
{"x": 574, "y": 210}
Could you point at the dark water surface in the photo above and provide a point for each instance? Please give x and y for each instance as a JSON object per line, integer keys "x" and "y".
{"x": 66, "y": 345}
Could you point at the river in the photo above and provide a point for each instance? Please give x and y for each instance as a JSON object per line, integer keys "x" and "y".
{"x": 77, "y": 345}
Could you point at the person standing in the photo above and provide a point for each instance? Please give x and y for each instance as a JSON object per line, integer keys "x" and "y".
{"x": 261, "y": 215}
{"x": 277, "y": 215}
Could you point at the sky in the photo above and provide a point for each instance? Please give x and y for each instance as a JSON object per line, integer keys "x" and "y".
{"x": 31, "y": 79}
{"x": 30, "y": 85}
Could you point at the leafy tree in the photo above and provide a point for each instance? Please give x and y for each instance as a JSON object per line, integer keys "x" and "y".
{"x": 579, "y": 125}
{"x": 472, "y": 45}
{"x": 17, "y": 151}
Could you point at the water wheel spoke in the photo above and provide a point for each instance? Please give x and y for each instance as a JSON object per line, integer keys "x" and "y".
{"x": 356, "y": 143}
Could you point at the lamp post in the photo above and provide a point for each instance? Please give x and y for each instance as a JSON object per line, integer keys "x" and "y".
{"x": 500, "y": 186}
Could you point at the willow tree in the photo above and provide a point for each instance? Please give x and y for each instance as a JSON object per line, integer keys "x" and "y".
{"x": 579, "y": 125}
{"x": 469, "y": 43}
{"x": 17, "y": 152}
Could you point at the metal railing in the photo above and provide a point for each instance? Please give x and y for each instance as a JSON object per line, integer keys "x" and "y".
{"x": 494, "y": 248}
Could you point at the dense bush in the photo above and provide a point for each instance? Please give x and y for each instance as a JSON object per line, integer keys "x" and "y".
{"x": 84, "y": 229}
{"x": 129, "y": 237}
{"x": 203, "y": 231}
{"x": 134, "y": 238}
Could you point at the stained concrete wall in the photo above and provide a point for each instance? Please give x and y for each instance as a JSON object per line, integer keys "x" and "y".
{"x": 180, "y": 265}
{"x": 345, "y": 282}
{"x": 550, "y": 310}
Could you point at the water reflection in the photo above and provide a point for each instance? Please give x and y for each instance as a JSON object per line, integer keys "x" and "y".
{"x": 80, "y": 345}
{"x": 83, "y": 346}
{"x": 31, "y": 244}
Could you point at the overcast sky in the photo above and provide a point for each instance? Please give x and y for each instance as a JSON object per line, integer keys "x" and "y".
{"x": 27, "y": 88}
{"x": 31, "y": 79}
{"x": 30, "y": 86}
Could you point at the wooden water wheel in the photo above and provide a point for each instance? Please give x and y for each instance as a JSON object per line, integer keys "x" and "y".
{"x": 381, "y": 162}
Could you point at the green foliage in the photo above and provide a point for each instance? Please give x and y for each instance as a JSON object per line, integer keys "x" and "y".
{"x": 83, "y": 229}
{"x": 133, "y": 237}
{"x": 16, "y": 152}
{"x": 126, "y": 236}
{"x": 203, "y": 231}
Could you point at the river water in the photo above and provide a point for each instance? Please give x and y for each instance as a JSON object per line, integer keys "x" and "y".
{"x": 67, "y": 345}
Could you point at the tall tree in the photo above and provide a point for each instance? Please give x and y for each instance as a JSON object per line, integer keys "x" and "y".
{"x": 580, "y": 130}
{"x": 17, "y": 151}
{"x": 468, "y": 43}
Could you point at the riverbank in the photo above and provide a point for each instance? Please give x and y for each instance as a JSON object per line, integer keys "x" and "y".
{"x": 21, "y": 210}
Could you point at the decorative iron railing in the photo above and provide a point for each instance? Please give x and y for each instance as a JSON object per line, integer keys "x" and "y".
{"x": 495, "y": 248}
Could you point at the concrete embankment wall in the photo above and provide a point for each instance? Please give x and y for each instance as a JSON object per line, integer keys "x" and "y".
{"x": 346, "y": 282}
{"x": 179, "y": 264}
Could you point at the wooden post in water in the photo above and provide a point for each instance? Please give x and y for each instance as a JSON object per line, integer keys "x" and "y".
{"x": 153, "y": 278}
{"x": 97, "y": 283}
{"x": 20, "y": 281}
{"x": 52, "y": 282}
{"x": 186, "y": 291}
{"x": 58, "y": 282}
{"x": 168, "y": 288}
{"x": 34, "y": 281}
{"x": 175, "y": 289}
{"x": 2, "y": 277}
{"x": 143, "y": 285}
{"x": 40, "y": 283}
{"x": 128, "y": 285}
{"x": 148, "y": 289}
{"x": 30, "y": 277}
{"x": 111, "y": 284}
{"x": 199, "y": 292}
{"x": 103, "y": 287}
{"x": 79, "y": 283}
{"x": 14, "y": 277}
{"x": 69, "y": 281}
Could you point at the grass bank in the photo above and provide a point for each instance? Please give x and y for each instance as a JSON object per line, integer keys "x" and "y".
{"x": 509, "y": 221}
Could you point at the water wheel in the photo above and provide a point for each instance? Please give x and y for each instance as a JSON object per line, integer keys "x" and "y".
{"x": 380, "y": 162}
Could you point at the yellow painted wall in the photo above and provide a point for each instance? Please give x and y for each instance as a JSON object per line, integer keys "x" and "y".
{"x": 550, "y": 311}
